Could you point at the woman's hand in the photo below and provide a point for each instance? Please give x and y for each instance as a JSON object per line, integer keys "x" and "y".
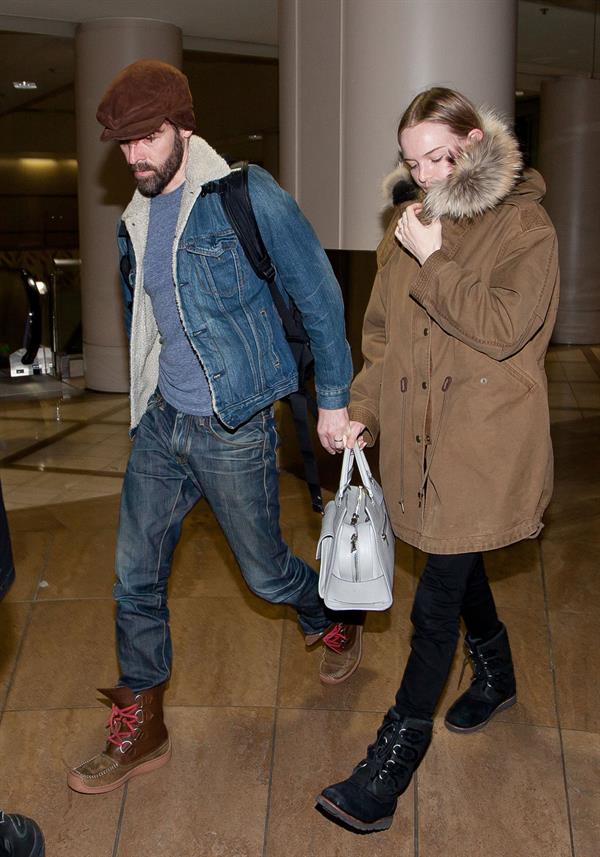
{"x": 352, "y": 435}
{"x": 419, "y": 239}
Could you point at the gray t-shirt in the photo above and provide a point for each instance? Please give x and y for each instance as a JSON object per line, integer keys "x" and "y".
{"x": 181, "y": 379}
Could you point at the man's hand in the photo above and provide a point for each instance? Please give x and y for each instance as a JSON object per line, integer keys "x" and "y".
{"x": 332, "y": 427}
{"x": 419, "y": 239}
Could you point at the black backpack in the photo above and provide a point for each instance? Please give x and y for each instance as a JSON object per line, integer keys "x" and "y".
{"x": 235, "y": 199}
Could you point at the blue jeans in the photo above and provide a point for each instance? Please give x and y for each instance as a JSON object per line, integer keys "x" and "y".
{"x": 176, "y": 460}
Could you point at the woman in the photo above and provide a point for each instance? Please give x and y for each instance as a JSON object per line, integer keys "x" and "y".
{"x": 454, "y": 340}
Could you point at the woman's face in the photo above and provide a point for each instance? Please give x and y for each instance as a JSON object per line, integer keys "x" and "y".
{"x": 429, "y": 150}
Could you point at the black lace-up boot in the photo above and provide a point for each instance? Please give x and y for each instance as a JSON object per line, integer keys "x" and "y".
{"x": 20, "y": 837}
{"x": 367, "y": 800}
{"x": 493, "y": 687}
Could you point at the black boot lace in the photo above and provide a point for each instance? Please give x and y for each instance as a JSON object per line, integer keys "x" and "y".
{"x": 394, "y": 755}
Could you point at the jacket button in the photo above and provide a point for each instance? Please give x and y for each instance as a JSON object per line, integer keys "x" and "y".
{"x": 426, "y": 332}
{"x": 418, "y": 438}
{"x": 424, "y": 385}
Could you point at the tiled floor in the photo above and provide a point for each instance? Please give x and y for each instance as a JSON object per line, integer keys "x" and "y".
{"x": 255, "y": 735}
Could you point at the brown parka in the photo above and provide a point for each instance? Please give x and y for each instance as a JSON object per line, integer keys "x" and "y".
{"x": 453, "y": 374}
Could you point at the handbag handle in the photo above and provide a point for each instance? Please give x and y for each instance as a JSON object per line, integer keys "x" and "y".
{"x": 350, "y": 456}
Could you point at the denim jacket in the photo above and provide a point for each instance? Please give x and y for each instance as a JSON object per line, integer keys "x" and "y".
{"x": 225, "y": 309}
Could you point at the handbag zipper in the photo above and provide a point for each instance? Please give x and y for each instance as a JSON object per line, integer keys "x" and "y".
{"x": 354, "y": 536}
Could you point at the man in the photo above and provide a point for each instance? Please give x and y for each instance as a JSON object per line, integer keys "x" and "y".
{"x": 208, "y": 359}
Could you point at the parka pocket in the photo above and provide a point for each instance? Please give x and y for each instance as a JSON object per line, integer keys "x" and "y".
{"x": 518, "y": 374}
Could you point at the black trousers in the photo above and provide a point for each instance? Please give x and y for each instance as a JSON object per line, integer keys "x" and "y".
{"x": 7, "y": 568}
{"x": 451, "y": 586}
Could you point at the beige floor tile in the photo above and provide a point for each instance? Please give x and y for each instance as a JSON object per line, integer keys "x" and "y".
{"x": 564, "y": 415}
{"x": 516, "y": 576}
{"x": 582, "y": 763}
{"x": 373, "y": 685}
{"x": 90, "y": 514}
{"x": 577, "y": 665}
{"x": 211, "y": 799}
{"x": 67, "y": 653}
{"x": 312, "y": 750}
{"x": 571, "y": 572}
{"x": 560, "y": 395}
{"x": 51, "y": 489}
{"x": 36, "y": 748}
{"x": 556, "y": 371}
{"x": 495, "y": 793}
{"x": 528, "y": 635}
{"x": 566, "y": 354}
{"x": 33, "y": 518}
{"x": 204, "y": 566}
{"x": 573, "y": 518}
{"x": 13, "y": 620}
{"x": 579, "y": 372}
{"x": 80, "y": 564}
{"x": 226, "y": 651}
{"x": 587, "y": 393}
{"x": 11, "y": 478}
{"x": 30, "y": 554}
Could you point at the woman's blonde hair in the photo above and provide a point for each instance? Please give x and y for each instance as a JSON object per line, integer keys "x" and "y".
{"x": 446, "y": 106}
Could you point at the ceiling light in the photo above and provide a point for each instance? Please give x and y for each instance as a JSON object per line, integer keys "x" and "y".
{"x": 24, "y": 84}
{"x": 254, "y": 138}
{"x": 519, "y": 93}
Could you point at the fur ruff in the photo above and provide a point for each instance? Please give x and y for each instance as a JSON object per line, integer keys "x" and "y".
{"x": 486, "y": 171}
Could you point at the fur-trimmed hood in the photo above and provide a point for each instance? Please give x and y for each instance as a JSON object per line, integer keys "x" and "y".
{"x": 485, "y": 173}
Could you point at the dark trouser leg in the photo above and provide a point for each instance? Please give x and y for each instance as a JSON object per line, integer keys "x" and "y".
{"x": 436, "y": 618}
{"x": 7, "y": 568}
{"x": 478, "y": 607}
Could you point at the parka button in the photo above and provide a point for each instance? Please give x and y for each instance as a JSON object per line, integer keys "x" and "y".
{"x": 426, "y": 332}
{"x": 483, "y": 380}
{"x": 418, "y": 438}
{"x": 424, "y": 385}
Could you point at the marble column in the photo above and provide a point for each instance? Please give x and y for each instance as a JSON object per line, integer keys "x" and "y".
{"x": 103, "y": 48}
{"x": 569, "y": 162}
{"x": 348, "y": 68}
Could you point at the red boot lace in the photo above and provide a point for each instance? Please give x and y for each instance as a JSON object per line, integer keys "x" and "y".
{"x": 122, "y": 723}
{"x": 337, "y": 638}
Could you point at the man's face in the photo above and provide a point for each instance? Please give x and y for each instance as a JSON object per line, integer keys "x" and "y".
{"x": 156, "y": 160}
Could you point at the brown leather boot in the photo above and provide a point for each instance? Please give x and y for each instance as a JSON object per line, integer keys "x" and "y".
{"x": 342, "y": 653}
{"x": 138, "y": 742}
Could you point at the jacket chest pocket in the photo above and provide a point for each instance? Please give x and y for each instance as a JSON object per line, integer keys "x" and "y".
{"x": 213, "y": 262}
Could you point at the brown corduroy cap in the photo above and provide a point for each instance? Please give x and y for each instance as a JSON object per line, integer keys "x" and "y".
{"x": 142, "y": 97}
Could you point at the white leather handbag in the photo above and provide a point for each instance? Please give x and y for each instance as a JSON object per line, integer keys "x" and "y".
{"x": 356, "y": 546}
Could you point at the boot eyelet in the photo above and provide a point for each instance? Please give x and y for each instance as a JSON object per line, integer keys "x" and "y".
{"x": 125, "y": 745}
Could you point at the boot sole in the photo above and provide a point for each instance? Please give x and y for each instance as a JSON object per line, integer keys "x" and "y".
{"x": 466, "y": 729}
{"x": 77, "y": 785}
{"x": 331, "y": 809}
{"x": 325, "y": 679}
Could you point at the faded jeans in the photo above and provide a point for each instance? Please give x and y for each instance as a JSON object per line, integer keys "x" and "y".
{"x": 176, "y": 460}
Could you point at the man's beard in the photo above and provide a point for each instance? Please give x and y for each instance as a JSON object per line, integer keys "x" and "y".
{"x": 155, "y": 183}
